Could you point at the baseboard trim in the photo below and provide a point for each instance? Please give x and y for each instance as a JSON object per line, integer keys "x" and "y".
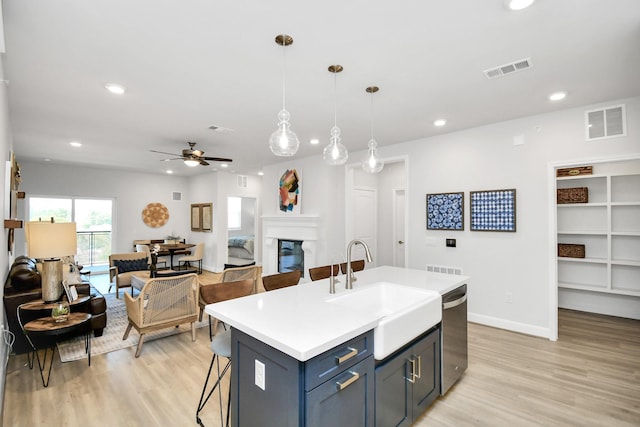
{"x": 509, "y": 325}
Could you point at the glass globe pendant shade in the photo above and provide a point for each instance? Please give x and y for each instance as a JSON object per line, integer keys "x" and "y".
{"x": 372, "y": 163}
{"x": 283, "y": 141}
{"x": 335, "y": 153}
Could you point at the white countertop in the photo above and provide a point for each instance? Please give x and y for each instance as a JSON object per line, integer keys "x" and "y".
{"x": 299, "y": 322}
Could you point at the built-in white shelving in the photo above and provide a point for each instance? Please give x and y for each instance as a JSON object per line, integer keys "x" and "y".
{"x": 609, "y": 227}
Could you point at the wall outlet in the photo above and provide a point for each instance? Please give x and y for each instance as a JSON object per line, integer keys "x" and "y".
{"x": 451, "y": 243}
{"x": 260, "y": 374}
{"x": 509, "y": 298}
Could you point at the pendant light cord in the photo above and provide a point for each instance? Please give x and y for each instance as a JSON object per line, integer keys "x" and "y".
{"x": 284, "y": 75}
{"x": 371, "y": 116}
{"x": 335, "y": 99}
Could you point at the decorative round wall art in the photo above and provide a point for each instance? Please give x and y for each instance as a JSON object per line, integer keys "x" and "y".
{"x": 155, "y": 215}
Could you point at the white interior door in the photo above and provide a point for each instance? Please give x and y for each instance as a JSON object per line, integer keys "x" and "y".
{"x": 399, "y": 239}
{"x": 365, "y": 221}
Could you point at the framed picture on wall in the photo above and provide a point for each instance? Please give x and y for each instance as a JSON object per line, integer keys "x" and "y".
{"x": 493, "y": 210}
{"x": 202, "y": 217}
{"x": 289, "y": 193}
{"x": 445, "y": 211}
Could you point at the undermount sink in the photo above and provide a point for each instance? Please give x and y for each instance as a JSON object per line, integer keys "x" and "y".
{"x": 405, "y": 312}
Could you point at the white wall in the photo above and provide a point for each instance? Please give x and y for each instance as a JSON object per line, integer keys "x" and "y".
{"x": 204, "y": 189}
{"x": 131, "y": 191}
{"x": 322, "y": 194}
{"x": 6, "y": 147}
{"x": 482, "y": 158}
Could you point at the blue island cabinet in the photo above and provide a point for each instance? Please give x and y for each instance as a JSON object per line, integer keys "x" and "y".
{"x": 271, "y": 388}
{"x": 408, "y": 381}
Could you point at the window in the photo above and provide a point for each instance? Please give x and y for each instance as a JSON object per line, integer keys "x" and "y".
{"x": 234, "y": 207}
{"x": 92, "y": 218}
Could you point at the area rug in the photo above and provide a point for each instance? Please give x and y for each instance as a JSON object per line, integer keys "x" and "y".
{"x": 111, "y": 339}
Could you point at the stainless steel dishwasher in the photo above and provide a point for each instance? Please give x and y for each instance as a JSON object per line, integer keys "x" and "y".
{"x": 454, "y": 337}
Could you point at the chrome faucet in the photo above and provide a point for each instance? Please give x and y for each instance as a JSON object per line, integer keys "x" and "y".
{"x": 349, "y": 273}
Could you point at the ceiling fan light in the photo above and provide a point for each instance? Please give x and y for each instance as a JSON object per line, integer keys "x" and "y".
{"x": 518, "y": 4}
{"x": 191, "y": 162}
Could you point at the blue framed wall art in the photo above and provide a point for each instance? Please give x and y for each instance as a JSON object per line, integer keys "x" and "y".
{"x": 493, "y": 210}
{"x": 445, "y": 211}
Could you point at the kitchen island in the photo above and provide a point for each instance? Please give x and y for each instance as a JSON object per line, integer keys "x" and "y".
{"x": 294, "y": 348}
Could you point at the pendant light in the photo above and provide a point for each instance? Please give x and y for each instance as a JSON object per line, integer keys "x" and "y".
{"x": 283, "y": 141}
{"x": 335, "y": 153}
{"x": 372, "y": 163}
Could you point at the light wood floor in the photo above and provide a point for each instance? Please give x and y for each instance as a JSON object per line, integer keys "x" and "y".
{"x": 589, "y": 377}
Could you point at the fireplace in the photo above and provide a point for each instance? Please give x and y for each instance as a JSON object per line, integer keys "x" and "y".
{"x": 290, "y": 228}
{"x": 290, "y": 256}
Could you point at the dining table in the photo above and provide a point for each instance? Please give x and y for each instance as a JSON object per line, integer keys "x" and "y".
{"x": 172, "y": 248}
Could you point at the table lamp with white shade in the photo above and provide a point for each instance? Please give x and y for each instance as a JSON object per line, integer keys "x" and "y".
{"x": 49, "y": 241}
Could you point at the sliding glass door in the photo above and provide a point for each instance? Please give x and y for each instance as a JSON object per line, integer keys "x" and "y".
{"x": 93, "y": 218}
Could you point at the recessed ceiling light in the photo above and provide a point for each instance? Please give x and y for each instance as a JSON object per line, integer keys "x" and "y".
{"x": 169, "y": 171}
{"x": 518, "y": 4}
{"x": 260, "y": 173}
{"x": 557, "y": 96}
{"x": 440, "y": 122}
{"x": 314, "y": 141}
{"x": 75, "y": 144}
{"x": 46, "y": 159}
{"x": 115, "y": 88}
{"x": 224, "y": 165}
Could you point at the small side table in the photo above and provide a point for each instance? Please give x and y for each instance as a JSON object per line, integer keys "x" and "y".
{"x": 48, "y": 328}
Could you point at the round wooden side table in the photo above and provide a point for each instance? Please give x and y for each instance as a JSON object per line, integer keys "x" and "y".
{"x": 49, "y": 330}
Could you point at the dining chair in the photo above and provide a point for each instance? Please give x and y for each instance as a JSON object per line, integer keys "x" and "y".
{"x": 281, "y": 280}
{"x": 145, "y": 248}
{"x": 197, "y": 256}
{"x": 323, "y": 272}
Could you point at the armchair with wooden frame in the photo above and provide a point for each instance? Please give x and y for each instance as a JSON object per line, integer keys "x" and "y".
{"x": 123, "y": 266}
{"x": 162, "y": 303}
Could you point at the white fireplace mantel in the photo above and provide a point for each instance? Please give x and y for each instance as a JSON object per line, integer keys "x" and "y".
{"x": 289, "y": 227}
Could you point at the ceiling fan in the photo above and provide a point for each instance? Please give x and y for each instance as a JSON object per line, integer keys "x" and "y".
{"x": 193, "y": 157}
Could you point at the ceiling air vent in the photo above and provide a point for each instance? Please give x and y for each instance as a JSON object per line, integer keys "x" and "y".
{"x": 242, "y": 181}
{"x": 607, "y": 122}
{"x": 220, "y": 129}
{"x": 512, "y": 67}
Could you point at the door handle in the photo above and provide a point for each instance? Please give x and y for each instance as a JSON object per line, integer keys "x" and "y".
{"x": 448, "y": 305}
{"x": 400, "y": 242}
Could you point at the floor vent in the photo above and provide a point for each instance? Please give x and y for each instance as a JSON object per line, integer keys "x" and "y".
{"x": 512, "y": 67}
{"x": 607, "y": 122}
{"x": 443, "y": 269}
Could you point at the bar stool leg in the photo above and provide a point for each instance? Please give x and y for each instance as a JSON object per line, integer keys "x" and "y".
{"x": 204, "y": 400}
